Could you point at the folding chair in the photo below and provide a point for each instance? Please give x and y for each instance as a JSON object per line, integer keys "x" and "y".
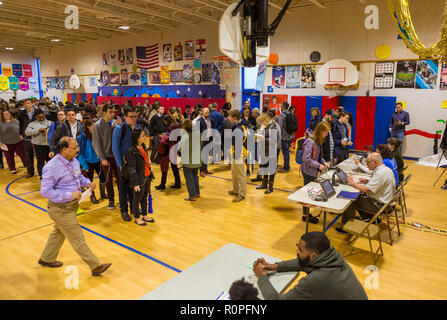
{"x": 369, "y": 230}
{"x": 402, "y": 200}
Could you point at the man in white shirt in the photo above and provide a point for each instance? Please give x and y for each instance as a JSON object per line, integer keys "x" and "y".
{"x": 376, "y": 192}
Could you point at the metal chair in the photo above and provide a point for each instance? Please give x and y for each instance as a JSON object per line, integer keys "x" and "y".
{"x": 402, "y": 201}
{"x": 369, "y": 230}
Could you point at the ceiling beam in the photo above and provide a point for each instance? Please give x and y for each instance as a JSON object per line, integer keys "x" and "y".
{"x": 318, "y": 4}
{"x": 161, "y": 3}
{"x": 209, "y": 5}
{"x": 228, "y": 4}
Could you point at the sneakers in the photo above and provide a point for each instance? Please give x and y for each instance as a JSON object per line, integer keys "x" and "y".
{"x": 125, "y": 216}
{"x": 444, "y": 187}
{"x": 93, "y": 199}
{"x": 312, "y": 219}
{"x": 160, "y": 187}
{"x": 111, "y": 205}
{"x": 341, "y": 231}
{"x": 14, "y": 172}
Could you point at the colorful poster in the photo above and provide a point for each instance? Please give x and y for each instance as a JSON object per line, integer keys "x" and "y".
{"x": 405, "y": 74}
{"x": 216, "y": 72}
{"x": 278, "y": 76}
{"x": 53, "y": 83}
{"x": 67, "y": 81}
{"x": 115, "y": 78}
{"x": 293, "y": 78}
{"x": 200, "y": 48}
{"x": 17, "y": 70}
{"x": 56, "y": 83}
{"x": 187, "y": 73}
{"x": 93, "y": 81}
{"x": 121, "y": 57}
{"x": 23, "y": 83}
{"x": 124, "y": 77}
{"x": 113, "y": 58}
{"x": 189, "y": 49}
{"x": 7, "y": 71}
{"x": 178, "y": 52}
{"x": 167, "y": 52}
{"x": 260, "y": 78}
{"x": 427, "y": 74}
{"x": 134, "y": 79}
{"x": 105, "y": 58}
{"x": 143, "y": 77}
{"x": 443, "y": 82}
{"x": 383, "y": 78}
{"x": 274, "y": 101}
{"x": 308, "y": 74}
{"x": 27, "y": 70}
{"x": 164, "y": 75}
{"x": 176, "y": 76}
{"x": 129, "y": 56}
{"x": 61, "y": 83}
{"x": 104, "y": 78}
{"x": 155, "y": 77}
{"x": 206, "y": 72}
{"x": 4, "y": 83}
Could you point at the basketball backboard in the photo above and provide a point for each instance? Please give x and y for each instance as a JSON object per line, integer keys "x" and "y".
{"x": 338, "y": 71}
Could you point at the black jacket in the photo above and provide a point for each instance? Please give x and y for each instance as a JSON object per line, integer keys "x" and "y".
{"x": 135, "y": 165}
{"x": 156, "y": 125}
{"x": 64, "y": 130}
{"x": 24, "y": 121}
{"x": 203, "y": 126}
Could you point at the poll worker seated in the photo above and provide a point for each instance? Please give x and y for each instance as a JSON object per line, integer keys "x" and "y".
{"x": 375, "y": 193}
{"x": 328, "y": 277}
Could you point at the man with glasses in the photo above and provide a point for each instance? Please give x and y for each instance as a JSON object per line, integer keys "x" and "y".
{"x": 121, "y": 142}
{"x": 375, "y": 193}
{"x": 61, "y": 185}
{"x": 70, "y": 128}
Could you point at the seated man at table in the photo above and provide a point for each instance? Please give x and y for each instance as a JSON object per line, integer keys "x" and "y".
{"x": 375, "y": 192}
{"x": 329, "y": 277}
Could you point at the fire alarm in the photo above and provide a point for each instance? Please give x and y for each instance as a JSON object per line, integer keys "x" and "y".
{"x": 233, "y": 94}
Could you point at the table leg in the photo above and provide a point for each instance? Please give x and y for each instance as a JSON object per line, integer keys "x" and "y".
{"x": 307, "y": 220}
{"x": 324, "y": 221}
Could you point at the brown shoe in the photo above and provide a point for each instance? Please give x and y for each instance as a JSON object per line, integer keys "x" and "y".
{"x": 231, "y": 193}
{"x": 98, "y": 270}
{"x": 55, "y": 264}
{"x": 238, "y": 199}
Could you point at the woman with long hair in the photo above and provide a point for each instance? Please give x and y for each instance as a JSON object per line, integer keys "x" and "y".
{"x": 140, "y": 176}
{"x": 11, "y": 138}
{"x": 313, "y": 161}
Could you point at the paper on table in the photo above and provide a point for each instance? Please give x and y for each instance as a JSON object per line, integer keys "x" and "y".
{"x": 86, "y": 194}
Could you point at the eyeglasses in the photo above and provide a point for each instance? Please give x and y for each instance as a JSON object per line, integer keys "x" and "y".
{"x": 75, "y": 148}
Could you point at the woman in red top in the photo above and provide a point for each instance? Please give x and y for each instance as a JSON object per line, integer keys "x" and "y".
{"x": 140, "y": 176}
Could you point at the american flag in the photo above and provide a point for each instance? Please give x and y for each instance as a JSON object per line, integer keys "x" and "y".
{"x": 147, "y": 57}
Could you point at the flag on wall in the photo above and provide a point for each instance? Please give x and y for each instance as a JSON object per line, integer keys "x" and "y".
{"x": 147, "y": 57}
{"x": 4, "y": 83}
{"x": 27, "y": 70}
{"x": 7, "y": 71}
{"x": 17, "y": 70}
{"x": 13, "y": 83}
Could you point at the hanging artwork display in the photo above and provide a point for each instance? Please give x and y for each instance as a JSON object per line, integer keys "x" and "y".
{"x": 17, "y": 70}
{"x": 67, "y": 81}
{"x": 27, "y": 70}
{"x": 293, "y": 78}
{"x": 167, "y": 52}
{"x": 155, "y": 77}
{"x": 278, "y": 76}
{"x": 260, "y": 78}
{"x": 308, "y": 74}
{"x": 113, "y": 58}
{"x": 53, "y": 83}
{"x": 7, "y": 71}
{"x": 93, "y": 81}
{"x": 443, "y": 81}
{"x": 23, "y": 83}
{"x": 104, "y": 78}
{"x": 134, "y": 79}
{"x": 216, "y": 72}
{"x": 189, "y": 49}
{"x": 4, "y": 83}
{"x": 405, "y": 74}
{"x": 206, "y": 72}
{"x": 115, "y": 78}
{"x": 164, "y": 75}
{"x": 274, "y": 101}
{"x": 129, "y": 56}
{"x": 143, "y": 77}
{"x": 124, "y": 77}
{"x": 178, "y": 52}
{"x": 200, "y": 48}
{"x": 105, "y": 58}
{"x": 187, "y": 73}
{"x": 384, "y": 73}
{"x": 176, "y": 76}
{"x": 56, "y": 83}
{"x": 121, "y": 57}
{"x": 427, "y": 74}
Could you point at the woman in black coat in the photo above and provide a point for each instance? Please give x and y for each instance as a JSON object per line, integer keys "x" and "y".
{"x": 140, "y": 176}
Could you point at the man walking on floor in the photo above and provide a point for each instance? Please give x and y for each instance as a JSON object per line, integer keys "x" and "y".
{"x": 25, "y": 117}
{"x": 61, "y": 185}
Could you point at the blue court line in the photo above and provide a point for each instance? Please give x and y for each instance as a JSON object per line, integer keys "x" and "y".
{"x": 220, "y": 295}
{"x": 96, "y": 233}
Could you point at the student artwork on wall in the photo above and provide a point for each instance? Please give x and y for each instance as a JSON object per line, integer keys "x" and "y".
{"x": 200, "y": 48}
{"x": 113, "y": 58}
{"x": 13, "y": 83}
{"x": 154, "y": 77}
{"x": 62, "y": 83}
{"x": 7, "y": 71}
{"x": 443, "y": 81}
{"x": 189, "y": 49}
{"x": 115, "y": 78}
{"x": 293, "y": 78}
{"x": 56, "y": 83}
{"x": 383, "y": 78}
{"x": 67, "y": 81}
{"x": 92, "y": 81}
{"x": 260, "y": 78}
{"x": 405, "y": 74}
{"x": 23, "y": 83}
{"x": 17, "y": 70}
{"x": 178, "y": 52}
{"x": 105, "y": 58}
{"x": 134, "y": 79}
{"x": 278, "y": 76}
{"x": 176, "y": 76}
{"x": 216, "y": 73}
{"x": 129, "y": 56}
{"x": 187, "y": 73}
{"x": 27, "y": 70}
{"x": 274, "y": 101}
{"x": 53, "y": 83}
{"x": 124, "y": 77}
{"x": 308, "y": 75}
{"x": 427, "y": 74}
{"x": 121, "y": 57}
{"x": 164, "y": 75}
{"x": 206, "y": 72}
{"x": 167, "y": 52}
{"x": 143, "y": 77}
{"x": 4, "y": 83}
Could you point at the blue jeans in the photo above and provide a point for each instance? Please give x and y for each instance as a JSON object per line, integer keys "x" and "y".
{"x": 285, "y": 145}
{"x": 400, "y": 136}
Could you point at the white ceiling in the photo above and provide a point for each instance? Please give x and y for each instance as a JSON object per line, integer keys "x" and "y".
{"x": 27, "y": 25}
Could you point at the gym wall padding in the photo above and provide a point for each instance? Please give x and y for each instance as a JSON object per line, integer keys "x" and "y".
{"x": 371, "y": 116}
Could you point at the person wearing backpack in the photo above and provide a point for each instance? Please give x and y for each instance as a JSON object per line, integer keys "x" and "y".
{"x": 313, "y": 161}
{"x": 287, "y": 122}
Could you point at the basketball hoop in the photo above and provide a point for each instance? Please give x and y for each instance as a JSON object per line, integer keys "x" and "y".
{"x": 335, "y": 89}
{"x": 226, "y": 67}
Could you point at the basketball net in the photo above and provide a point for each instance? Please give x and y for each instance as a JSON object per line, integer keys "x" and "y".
{"x": 225, "y": 67}
{"x": 336, "y": 89}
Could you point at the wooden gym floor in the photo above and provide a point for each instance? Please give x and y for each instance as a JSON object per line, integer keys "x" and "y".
{"x": 145, "y": 257}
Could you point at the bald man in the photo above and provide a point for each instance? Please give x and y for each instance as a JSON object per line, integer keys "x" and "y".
{"x": 375, "y": 193}
{"x": 61, "y": 185}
